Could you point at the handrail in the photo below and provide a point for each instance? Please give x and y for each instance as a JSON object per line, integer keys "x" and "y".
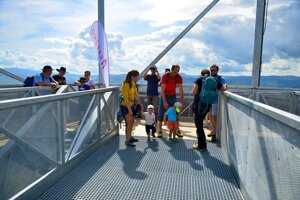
{"x": 280, "y": 115}
{"x": 52, "y": 97}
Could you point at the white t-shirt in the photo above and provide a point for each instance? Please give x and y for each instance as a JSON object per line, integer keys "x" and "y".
{"x": 90, "y": 83}
{"x": 149, "y": 118}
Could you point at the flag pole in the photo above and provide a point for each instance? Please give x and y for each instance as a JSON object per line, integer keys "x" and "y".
{"x": 101, "y": 20}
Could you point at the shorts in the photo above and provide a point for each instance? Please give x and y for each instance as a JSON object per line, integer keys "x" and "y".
{"x": 150, "y": 127}
{"x": 161, "y": 111}
{"x": 172, "y": 125}
{"x": 214, "y": 109}
{"x": 136, "y": 110}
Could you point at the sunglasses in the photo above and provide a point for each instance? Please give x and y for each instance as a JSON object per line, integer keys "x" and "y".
{"x": 213, "y": 70}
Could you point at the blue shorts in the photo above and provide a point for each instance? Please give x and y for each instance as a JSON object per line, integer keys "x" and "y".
{"x": 161, "y": 111}
{"x": 135, "y": 109}
{"x": 214, "y": 109}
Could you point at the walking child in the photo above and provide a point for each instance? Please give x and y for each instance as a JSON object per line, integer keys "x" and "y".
{"x": 150, "y": 121}
{"x": 171, "y": 119}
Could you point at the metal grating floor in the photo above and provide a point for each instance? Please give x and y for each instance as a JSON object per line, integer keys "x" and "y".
{"x": 152, "y": 170}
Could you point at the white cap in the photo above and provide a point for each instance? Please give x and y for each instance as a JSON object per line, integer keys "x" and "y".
{"x": 178, "y": 105}
{"x": 150, "y": 106}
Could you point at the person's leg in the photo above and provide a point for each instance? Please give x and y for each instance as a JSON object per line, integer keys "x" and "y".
{"x": 198, "y": 119}
{"x": 148, "y": 131}
{"x": 129, "y": 120}
{"x": 149, "y": 101}
{"x": 213, "y": 119}
{"x": 153, "y": 129}
{"x": 161, "y": 112}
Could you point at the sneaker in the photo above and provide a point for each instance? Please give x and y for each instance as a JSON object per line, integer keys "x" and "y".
{"x": 213, "y": 138}
{"x": 129, "y": 144}
{"x": 153, "y": 135}
{"x": 211, "y": 135}
{"x": 196, "y": 147}
{"x": 178, "y": 133}
{"x": 160, "y": 134}
{"x": 132, "y": 139}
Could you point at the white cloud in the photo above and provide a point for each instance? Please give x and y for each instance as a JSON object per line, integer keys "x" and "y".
{"x": 137, "y": 31}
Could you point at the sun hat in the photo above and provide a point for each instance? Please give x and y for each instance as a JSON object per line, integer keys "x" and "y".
{"x": 150, "y": 107}
{"x": 153, "y": 67}
{"x": 47, "y": 68}
{"x": 82, "y": 79}
{"x": 62, "y": 69}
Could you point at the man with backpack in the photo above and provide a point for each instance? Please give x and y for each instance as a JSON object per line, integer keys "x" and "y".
{"x": 205, "y": 89}
{"x": 169, "y": 83}
{"x": 213, "y": 114}
{"x": 44, "y": 78}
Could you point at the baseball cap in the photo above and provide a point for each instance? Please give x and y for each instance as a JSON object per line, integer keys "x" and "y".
{"x": 150, "y": 106}
{"x": 178, "y": 106}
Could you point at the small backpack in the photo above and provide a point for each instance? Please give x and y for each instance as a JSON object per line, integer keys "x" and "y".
{"x": 209, "y": 91}
{"x": 28, "y": 81}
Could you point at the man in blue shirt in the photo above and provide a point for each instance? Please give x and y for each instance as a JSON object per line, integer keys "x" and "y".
{"x": 44, "y": 78}
{"x": 152, "y": 88}
{"x": 214, "y": 69}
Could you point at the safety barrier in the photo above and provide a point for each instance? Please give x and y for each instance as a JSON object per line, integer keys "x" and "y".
{"x": 263, "y": 146}
{"x": 44, "y": 137}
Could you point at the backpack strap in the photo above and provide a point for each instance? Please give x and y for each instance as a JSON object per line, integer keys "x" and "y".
{"x": 169, "y": 76}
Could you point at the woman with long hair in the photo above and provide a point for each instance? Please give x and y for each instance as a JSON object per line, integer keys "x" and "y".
{"x": 131, "y": 105}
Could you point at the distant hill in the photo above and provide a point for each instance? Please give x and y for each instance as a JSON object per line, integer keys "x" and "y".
{"x": 117, "y": 79}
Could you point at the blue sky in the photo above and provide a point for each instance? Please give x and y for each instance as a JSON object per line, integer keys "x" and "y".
{"x": 35, "y": 33}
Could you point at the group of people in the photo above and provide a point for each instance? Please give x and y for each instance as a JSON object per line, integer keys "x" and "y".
{"x": 45, "y": 79}
{"x": 166, "y": 108}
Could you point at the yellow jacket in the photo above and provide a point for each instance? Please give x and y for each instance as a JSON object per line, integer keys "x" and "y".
{"x": 129, "y": 94}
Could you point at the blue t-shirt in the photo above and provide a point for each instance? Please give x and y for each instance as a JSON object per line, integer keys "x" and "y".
{"x": 152, "y": 86}
{"x": 85, "y": 87}
{"x": 171, "y": 113}
{"x": 40, "y": 78}
{"x": 222, "y": 80}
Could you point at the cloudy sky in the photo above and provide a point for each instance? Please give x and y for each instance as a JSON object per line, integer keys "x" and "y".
{"x": 56, "y": 32}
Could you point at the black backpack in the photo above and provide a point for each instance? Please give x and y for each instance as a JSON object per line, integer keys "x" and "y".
{"x": 28, "y": 81}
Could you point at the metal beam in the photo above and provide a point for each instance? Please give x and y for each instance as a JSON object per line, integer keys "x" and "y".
{"x": 11, "y": 75}
{"x": 258, "y": 42}
{"x": 174, "y": 42}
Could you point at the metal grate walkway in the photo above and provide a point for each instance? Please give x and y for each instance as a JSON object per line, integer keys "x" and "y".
{"x": 152, "y": 170}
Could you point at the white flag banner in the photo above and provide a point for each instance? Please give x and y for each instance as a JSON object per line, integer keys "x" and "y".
{"x": 100, "y": 43}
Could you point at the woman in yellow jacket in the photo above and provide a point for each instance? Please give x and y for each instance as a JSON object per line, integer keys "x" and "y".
{"x": 131, "y": 105}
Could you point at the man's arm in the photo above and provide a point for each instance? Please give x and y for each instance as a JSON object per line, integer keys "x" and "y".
{"x": 163, "y": 96}
{"x": 146, "y": 73}
{"x": 52, "y": 84}
{"x": 157, "y": 75}
{"x": 195, "y": 89}
{"x": 181, "y": 95}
